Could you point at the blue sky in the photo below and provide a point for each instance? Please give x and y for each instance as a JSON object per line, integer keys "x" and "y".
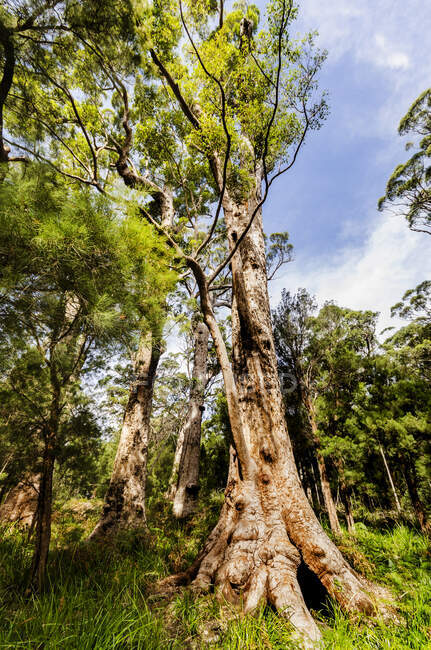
{"x": 345, "y": 250}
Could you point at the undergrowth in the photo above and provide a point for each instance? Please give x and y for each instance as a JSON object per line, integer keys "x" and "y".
{"x": 104, "y": 597}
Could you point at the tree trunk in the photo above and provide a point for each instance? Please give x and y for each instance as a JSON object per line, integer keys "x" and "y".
{"x": 391, "y": 482}
{"x": 124, "y": 506}
{"x": 321, "y": 465}
{"x": 267, "y": 526}
{"x": 20, "y": 505}
{"x": 317, "y": 485}
{"x": 185, "y": 473}
{"x": 345, "y": 495}
{"x": 412, "y": 487}
{"x": 327, "y": 495}
{"x": 43, "y": 516}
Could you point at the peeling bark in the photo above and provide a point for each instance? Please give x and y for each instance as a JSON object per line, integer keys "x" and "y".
{"x": 124, "y": 505}
{"x": 184, "y": 486}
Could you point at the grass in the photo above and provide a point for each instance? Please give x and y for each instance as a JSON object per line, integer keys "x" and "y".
{"x": 103, "y": 598}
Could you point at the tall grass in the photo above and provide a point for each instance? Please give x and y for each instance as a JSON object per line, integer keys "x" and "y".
{"x": 104, "y": 598}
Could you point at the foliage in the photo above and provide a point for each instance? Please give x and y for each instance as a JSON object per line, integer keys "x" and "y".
{"x": 409, "y": 187}
{"x": 77, "y": 281}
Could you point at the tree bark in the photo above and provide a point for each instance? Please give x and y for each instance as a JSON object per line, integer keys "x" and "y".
{"x": 43, "y": 518}
{"x": 323, "y": 475}
{"x": 267, "y": 526}
{"x": 124, "y": 505}
{"x": 412, "y": 487}
{"x": 44, "y": 502}
{"x": 327, "y": 495}
{"x": 391, "y": 482}
{"x": 345, "y": 495}
{"x": 184, "y": 485}
{"x": 20, "y": 505}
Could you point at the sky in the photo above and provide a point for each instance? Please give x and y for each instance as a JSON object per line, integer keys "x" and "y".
{"x": 345, "y": 250}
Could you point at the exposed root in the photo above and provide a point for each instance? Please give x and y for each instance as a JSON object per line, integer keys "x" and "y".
{"x": 250, "y": 560}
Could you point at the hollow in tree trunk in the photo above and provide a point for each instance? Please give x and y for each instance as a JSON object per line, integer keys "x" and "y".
{"x": 184, "y": 486}
{"x": 267, "y": 527}
{"x": 124, "y": 505}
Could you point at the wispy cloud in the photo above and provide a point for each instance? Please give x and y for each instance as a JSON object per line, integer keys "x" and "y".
{"x": 372, "y": 276}
{"x": 389, "y": 35}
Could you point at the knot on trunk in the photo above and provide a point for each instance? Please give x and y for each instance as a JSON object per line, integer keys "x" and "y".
{"x": 267, "y": 452}
{"x": 265, "y": 477}
{"x": 192, "y": 488}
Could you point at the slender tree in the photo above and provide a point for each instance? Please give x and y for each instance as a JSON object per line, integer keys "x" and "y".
{"x": 299, "y": 360}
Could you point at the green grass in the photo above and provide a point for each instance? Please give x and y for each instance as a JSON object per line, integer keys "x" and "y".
{"x": 102, "y": 598}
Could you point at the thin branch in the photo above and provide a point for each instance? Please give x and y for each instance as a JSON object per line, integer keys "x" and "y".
{"x": 222, "y": 265}
{"x": 222, "y": 188}
{"x": 39, "y": 156}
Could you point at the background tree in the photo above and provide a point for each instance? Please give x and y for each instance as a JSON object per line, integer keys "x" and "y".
{"x": 299, "y": 363}
{"x": 409, "y": 187}
{"x": 67, "y": 260}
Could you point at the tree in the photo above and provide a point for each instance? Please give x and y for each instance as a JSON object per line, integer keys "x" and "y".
{"x": 409, "y": 187}
{"x": 408, "y": 354}
{"x": 266, "y": 524}
{"x": 300, "y": 360}
{"x": 242, "y": 111}
{"x": 184, "y": 482}
{"x": 65, "y": 62}
{"x": 74, "y": 274}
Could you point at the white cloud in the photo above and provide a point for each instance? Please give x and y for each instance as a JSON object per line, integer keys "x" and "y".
{"x": 372, "y": 276}
{"x": 392, "y": 37}
{"x": 388, "y": 56}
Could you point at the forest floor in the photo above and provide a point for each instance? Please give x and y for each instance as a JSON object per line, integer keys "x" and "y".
{"x": 104, "y": 597}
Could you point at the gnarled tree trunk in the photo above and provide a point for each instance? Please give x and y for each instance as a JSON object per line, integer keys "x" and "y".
{"x": 124, "y": 506}
{"x": 267, "y": 527}
{"x": 184, "y": 484}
